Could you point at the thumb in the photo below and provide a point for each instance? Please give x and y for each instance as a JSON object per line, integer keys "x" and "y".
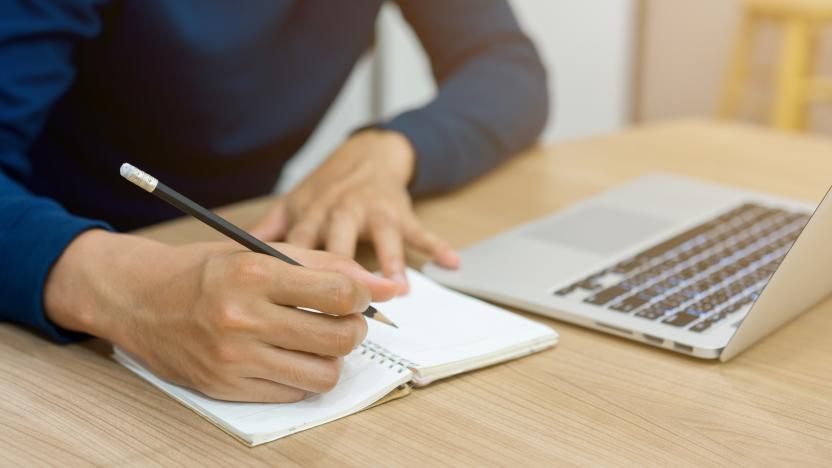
{"x": 274, "y": 224}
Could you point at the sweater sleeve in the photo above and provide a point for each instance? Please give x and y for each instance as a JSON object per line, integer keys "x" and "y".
{"x": 37, "y": 38}
{"x": 492, "y": 98}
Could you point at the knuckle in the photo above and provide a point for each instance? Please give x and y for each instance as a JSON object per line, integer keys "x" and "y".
{"x": 344, "y": 294}
{"x": 347, "y": 334}
{"x": 249, "y": 268}
{"x": 229, "y": 317}
{"x": 328, "y": 375}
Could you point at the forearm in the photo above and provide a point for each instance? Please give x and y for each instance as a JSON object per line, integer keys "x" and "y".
{"x": 493, "y": 99}
{"x": 483, "y": 115}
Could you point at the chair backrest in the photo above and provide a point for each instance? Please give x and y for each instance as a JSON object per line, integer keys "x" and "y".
{"x": 818, "y": 10}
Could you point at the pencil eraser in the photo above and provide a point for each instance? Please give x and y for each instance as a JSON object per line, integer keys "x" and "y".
{"x": 138, "y": 177}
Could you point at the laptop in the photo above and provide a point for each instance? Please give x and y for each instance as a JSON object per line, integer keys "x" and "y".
{"x": 681, "y": 264}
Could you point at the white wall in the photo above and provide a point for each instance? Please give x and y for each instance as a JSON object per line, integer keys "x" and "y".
{"x": 586, "y": 45}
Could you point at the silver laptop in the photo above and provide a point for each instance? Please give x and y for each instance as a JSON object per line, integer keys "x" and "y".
{"x": 676, "y": 263}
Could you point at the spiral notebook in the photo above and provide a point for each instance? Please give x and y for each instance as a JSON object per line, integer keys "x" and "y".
{"x": 441, "y": 333}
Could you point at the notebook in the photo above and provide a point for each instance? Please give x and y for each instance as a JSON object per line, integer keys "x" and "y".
{"x": 441, "y": 333}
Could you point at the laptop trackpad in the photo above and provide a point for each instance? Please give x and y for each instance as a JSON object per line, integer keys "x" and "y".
{"x": 600, "y": 229}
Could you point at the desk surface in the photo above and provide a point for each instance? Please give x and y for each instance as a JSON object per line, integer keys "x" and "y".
{"x": 595, "y": 398}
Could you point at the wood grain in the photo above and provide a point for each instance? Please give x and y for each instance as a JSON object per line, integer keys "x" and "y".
{"x": 595, "y": 399}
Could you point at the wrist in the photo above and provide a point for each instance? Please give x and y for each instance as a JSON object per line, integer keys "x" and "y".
{"x": 91, "y": 283}
{"x": 395, "y": 152}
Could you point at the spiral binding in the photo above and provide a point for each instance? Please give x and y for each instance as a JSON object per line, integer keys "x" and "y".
{"x": 371, "y": 350}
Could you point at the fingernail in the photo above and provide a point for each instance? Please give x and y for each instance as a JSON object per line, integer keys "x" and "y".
{"x": 450, "y": 258}
{"x": 401, "y": 280}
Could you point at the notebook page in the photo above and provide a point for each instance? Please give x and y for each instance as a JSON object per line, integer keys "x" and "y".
{"x": 438, "y": 326}
{"x": 363, "y": 381}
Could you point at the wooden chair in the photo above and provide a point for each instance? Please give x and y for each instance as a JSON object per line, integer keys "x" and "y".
{"x": 796, "y": 87}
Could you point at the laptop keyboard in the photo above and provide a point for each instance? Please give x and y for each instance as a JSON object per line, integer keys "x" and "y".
{"x": 700, "y": 277}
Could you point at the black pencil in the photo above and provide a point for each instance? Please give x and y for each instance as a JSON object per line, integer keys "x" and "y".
{"x": 188, "y": 206}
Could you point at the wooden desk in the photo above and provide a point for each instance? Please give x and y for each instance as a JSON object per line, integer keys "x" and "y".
{"x": 595, "y": 399}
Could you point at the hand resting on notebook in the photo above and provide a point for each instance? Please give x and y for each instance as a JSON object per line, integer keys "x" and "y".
{"x": 215, "y": 317}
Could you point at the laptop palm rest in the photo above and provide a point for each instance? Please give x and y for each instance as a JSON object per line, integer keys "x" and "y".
{"x": 600, "y": 229}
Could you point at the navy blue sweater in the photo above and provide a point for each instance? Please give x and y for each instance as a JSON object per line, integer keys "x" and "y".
{"x": 213, "y": 97}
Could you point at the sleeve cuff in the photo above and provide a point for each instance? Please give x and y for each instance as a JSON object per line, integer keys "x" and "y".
{"x": 57, "y": 231}
{"x": 432, "y": 173}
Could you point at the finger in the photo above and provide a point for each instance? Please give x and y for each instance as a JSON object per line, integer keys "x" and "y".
{"x": 382, "y": 289}
{"x": 304, "y": 371}
{"x": 387, "y": 239}
{"x": 440, "y": 251}
{"x": 299, "y": 330}
{"x": 306, "y": 232}
{"x": 274, "y": 224}
{"x": 342, "y": 232}
{"x": 257, "y": 390}
{"x": 325, "y": 291}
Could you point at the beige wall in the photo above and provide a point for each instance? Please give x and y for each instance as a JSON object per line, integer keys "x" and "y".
{"x": 686, "y": 48}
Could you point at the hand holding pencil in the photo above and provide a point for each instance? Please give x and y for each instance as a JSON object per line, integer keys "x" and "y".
{"x": 188, "y": 206}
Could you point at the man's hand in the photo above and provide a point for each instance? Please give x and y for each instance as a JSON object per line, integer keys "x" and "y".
{"x": 214, "y": 316}
{"x": 359, "y": 193}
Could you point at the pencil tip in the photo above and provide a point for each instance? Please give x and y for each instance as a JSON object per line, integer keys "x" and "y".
{"x": 383, "y": 319}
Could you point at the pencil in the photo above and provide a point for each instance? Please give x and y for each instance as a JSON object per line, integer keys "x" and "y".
{"x": 188, "y": 206}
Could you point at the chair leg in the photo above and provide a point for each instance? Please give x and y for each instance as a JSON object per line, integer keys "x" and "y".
{"x": 790, "y": 102}
{"x": 738, "y": 69}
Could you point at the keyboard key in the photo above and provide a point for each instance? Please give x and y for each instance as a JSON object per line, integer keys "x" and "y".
{"x": 628, "y": 265}
{"x": 651, "y": 313}
{"x": 606, "y": 295}
{"x": 629, "y": 304}
{"x": 701, "y": 326}
{"x": 591, "y": 282}
{"x": 680, "y": 319}
{"x": 733, "y": 307}
{"x": 567, "y": 290}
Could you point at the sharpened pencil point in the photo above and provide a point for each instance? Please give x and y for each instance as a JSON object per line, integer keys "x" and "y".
{"x": 374, "y": 314}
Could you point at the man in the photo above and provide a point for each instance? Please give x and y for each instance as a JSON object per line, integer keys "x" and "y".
{"x": 213, "y": 97}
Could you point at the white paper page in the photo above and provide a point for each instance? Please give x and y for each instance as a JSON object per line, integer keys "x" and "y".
{"x": 440, "y": 326}
{"x": 363, "y": 381}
